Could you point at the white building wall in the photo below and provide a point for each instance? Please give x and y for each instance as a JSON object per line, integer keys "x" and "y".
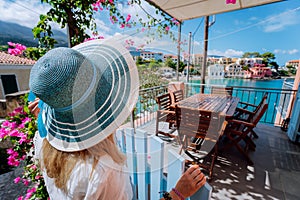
{"x": 215, "y": 71}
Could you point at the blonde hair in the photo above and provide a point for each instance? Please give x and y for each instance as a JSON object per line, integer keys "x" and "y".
{"x": 59, "y": 164}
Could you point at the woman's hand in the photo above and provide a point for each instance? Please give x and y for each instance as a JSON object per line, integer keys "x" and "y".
{"x": 33, "y": 107}
{"x": 190, "y": 182}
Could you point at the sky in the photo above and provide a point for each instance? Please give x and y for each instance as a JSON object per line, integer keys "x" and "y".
{"x": 269, "y": 28}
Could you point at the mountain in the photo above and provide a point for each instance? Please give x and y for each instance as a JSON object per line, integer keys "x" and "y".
{"x": 11, "y": 32}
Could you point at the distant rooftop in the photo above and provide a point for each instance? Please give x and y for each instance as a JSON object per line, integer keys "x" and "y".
{"x": 7, "y": 59}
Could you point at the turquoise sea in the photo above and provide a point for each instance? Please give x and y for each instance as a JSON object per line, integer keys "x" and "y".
{"x": 254, "y": 94}
{"x": 244, "y": 82}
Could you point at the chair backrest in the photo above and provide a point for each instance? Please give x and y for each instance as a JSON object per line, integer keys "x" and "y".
{"x": 195, "y": 126}
{"x": 146, "y": 161}
{"x": 178, "y": 95}
{"x": 164, "y": 101}
{"x": 222, "y": 90}
{"x": 263, "y": 100}
{"x": 259, "y": 113}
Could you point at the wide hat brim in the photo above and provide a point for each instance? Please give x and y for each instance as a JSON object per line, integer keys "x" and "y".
{"x": 107, "y": 103}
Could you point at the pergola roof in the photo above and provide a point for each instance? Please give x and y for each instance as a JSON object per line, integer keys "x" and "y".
{"x": 190, "y": 9}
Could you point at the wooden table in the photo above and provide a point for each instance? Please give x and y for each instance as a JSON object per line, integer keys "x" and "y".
{"x": 211, "y": 102}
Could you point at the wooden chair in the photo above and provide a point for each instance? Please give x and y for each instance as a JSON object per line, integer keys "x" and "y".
{"x": 199, "y": 133}
{"x": 165, "y": 113}
{"x": 238, "y": 130}
{"x": 178, "y": 95}
{"x": 222, "y": 90}
{"x": 247, "y": 112}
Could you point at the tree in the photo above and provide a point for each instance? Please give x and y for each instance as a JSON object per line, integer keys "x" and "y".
{"x": 78, "y": 17}
{"x": 268, "y": 60}
{"x": 169, "y": 63}
{"x": 251, "y": 55}
{"x": 139, "y": 60}
{"x": 153, "y": 65}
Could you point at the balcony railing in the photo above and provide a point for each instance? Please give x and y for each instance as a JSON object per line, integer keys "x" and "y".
{"x": 278, "y": 100}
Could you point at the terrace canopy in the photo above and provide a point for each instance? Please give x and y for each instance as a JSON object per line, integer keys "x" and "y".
{"x": 190, "y": 9}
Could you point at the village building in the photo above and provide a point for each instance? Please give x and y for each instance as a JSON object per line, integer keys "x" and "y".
{"x": 235, "y": 70}
{"x": 167, "y": 72}
{"x": 148, "y": 55}
{"x": 293, "y": 63}
{"x": 215, "y": 71}
{"x": 260, "y": 71}
{"x": 250, "y": 62}
{"x": 174, "y": 58}
{"x": 14, "y": 74}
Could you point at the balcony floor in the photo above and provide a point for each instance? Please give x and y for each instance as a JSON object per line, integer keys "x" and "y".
{"x": 274, "y": 175}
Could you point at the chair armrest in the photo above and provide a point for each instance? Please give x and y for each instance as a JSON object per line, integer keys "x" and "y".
{"x": 235, "y": 121}
{"x": 245, "y": 111}
{"x": 248, "y": 104}
{"x": 166, "y": 111}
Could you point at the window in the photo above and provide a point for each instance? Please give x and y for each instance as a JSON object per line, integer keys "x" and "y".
{"x": 9, "y": 84}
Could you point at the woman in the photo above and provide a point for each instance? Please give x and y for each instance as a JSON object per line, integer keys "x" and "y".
{"x": 86, "y": 93}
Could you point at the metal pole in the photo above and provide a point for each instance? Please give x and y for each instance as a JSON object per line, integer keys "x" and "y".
{"x": 68, "y": 36}
{"x": 178, "y": 51}
{"x": 189, "y": 56}
{"x": 204, "y": 53}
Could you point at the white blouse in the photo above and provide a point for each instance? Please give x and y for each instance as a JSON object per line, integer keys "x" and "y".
{"x": 109, "y": 180}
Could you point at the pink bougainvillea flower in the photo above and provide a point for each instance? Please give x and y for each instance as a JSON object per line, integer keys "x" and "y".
{"x": 26, "y": 182}
{"x": 128, "y": 17}
{"x": 33, "y": 167}
{"x": 11, "y": 51}
{"x": 20, "y": 198}
{"x": 230, "y": 1}
{"x": 23, "y": 138}
{"x": 113, "y": 19}
{"x": 95, "y": 8}
{"x": 122, "y": 26}
{"x": 11, "y": 44}
{"x": 167, "y": 28}
{"x": 14, "y": 133}
{"x": 10, "y": 151}
{"x": 23, "y": 157}
{"x": 17, "y": 180}
{"x": 20, "y": 47}
{"x": 18, "y": 50}
{"x": 28, "y": 195}
{"x": 3, "y": 132}
{"x": 37, "y": 177}
{"x": 6, "y": 123}
{"x": 12, "y": 161}
{"x": 101, "y": 37}
{"x": 26, "y": 119}
{"x": 19, "y": 109}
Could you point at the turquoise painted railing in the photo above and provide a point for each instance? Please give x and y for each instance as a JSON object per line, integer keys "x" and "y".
{"x": 148, "y": 165}
{"x": 278, "y": 100}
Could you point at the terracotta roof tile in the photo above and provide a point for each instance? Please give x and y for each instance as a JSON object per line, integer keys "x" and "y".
{"x": 7, "y": 59}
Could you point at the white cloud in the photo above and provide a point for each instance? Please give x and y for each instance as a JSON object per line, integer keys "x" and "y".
{"x": 293, "y": 51}
{"x": 281, "y": 21}
{"x": 290, "y": 52}
{"x": 23, "y": 12}
{"x": 227, "y": 53}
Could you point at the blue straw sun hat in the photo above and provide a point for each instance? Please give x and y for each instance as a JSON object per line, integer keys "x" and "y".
{"x": 88, "y": 91}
